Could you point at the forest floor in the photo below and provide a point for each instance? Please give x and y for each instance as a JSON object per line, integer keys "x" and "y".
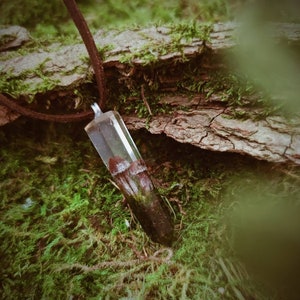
{"x": 67, "y": 233}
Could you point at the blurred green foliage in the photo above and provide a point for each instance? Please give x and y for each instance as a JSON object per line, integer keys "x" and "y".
{"x": 51, "y": 18}
{"x": 30, "y": 13}
{"x": 264, "y": 228}
{"x": 271, "y": 63}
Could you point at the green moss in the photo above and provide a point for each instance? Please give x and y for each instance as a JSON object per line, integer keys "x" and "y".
{"x": 16, "y": 86}
{"x": 132, "y": 103}
{"x": 12, "y": 87}
{"x": 180, "y": 34}
{"x": 232, "y": 90}
{"x": 63, "y": 224}
{"x": 187, "y": 31}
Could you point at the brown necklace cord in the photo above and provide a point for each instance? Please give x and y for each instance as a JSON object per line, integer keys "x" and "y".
{"x": 97, "y": 65}
{"x": 90, "y": 45}
{"x": 66, "y": 118}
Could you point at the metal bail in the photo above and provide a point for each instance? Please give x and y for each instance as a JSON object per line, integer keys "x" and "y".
{"x": 97, "y": 110}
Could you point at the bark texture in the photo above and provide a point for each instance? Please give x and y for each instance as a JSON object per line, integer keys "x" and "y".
{"x": 67, "y": 66}
{"x": 206, "y": 124}
{"x": 213, "y": 128}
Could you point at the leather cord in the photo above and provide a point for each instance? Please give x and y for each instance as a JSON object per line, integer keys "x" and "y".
{"x": 66, "y": 118}
{"x": 90, "y": 45}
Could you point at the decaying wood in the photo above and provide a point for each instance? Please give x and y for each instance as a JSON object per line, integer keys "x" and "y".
{"x": 213, "y": 128}
{"x": 65, "y": 65}
{"x": 7, "y": 115}
{"x": 209, "y": 126}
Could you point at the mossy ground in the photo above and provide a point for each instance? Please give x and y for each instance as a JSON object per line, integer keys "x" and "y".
{"x": 63, "y": 223}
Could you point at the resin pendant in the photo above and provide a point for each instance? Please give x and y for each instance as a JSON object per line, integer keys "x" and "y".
{"x": 119, "y": 153}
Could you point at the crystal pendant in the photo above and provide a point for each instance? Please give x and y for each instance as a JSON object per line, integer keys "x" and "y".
{"x": 119, "y": 153}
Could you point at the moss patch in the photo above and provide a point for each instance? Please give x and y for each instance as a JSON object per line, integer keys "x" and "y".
{"x": 181, "y": 34}
{"x": 66, "y": 231}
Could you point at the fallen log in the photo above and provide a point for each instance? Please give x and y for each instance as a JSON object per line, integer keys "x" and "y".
{"x": 67, "y": 66}
{"x": 160, "y": 57}
{"x": 213, "y": 128}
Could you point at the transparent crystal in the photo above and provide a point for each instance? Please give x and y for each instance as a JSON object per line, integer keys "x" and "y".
{"x": 119, "y": 153}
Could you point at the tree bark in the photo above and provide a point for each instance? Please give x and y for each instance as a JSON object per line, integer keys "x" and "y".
{"x": 208, "y": 124}
{"x": 213, "y": 128}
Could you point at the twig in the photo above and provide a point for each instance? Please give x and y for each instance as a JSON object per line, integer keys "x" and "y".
{"x": 145, "y": 100}
{"x": 289, "y": 173}
{"x": 121, "y": 264}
